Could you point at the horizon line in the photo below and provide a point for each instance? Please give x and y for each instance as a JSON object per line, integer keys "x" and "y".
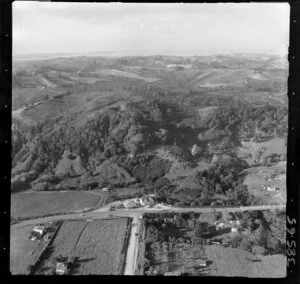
{"x": 125, "y": 54}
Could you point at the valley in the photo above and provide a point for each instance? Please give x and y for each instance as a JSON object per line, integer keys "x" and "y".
{"x": 206, "y": 134}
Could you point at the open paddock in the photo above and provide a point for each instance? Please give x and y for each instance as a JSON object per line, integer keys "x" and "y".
{"x": 99, "y": 245}
{"x": 35, "y": 204}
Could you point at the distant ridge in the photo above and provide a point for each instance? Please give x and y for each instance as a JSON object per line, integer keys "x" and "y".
{"x": 42, "y": 56}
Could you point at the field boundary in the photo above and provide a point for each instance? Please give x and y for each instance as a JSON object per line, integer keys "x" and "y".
{"x": 122, "y": 264}
{"x": 141, "y": 250}
{"x": 42, "y": 253}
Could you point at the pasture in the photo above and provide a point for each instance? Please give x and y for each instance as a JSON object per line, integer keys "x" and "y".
{"x": 23, "y": 251}
{"x": 232, "y": 262}
{"x": 99, "y": 244}
{"x": 35, "y": 204}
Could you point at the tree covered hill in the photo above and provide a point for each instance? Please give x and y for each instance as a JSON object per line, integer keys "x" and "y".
{"x": 109, "y": 130}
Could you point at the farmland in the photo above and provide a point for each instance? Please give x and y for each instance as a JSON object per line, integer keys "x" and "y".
{"x": 99, "y": 244}
{"x": 222, "y": 244}
{"x": 236, "y": 262}
{"x": 23, "y": 251}
{"x": 259, "y": 150}
{"x": 258, "y": 179}
{"x": 34, "y": 204}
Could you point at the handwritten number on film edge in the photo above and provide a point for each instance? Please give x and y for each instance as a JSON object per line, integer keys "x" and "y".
{"x": 291, "y": 251}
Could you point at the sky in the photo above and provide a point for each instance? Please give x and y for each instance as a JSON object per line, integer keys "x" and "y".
{"x": 150, "y": 29}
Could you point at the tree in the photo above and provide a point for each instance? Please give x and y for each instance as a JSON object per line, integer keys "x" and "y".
{"x": 218, "y": 188}
{"x": 258, "y": 250}
{"x": 236, "y": 241}
{"x": 246, "y": 245}
{"x": 241, "y": 194}
{"x": 200, "y": 229}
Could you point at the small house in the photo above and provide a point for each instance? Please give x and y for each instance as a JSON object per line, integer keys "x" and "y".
{"x": 61, "y": 268}
{"x": 234, "y": 230}
{"x": 203, "y": 263}
{"x": 220, "y": 226}
{"x": 104, "y": 189}
{"x": 174, "y": 273}
{"x": 40, "y": 229}
{"x": 271, "y": 188}
{"x": 130, "y": 204}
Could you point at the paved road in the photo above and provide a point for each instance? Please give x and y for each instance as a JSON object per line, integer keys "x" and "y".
{"x": 105, "y": 213}
{"x": 131, "y": 258}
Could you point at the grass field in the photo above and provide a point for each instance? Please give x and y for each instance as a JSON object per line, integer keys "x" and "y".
{"x": 272, "y": 146}
{"x": 24, "y": 96}
{"x": 233, "y": 262}
{"x": 21, "y": 249}
{"x": 98, "y": 244}
{"x": 34, "y": 204}
{"x": 274, "y": 176}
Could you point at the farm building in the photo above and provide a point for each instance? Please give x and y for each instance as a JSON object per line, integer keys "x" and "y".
{"x": 104, "y": 189}
{"x": 234, "y": 230}
{"x": 146, "y": 201}
{"x": 174, "y": 273}
{"x": 220, "y": 226}
{"x": 237, "y": 222}
{"x": 130, "y": 204}
{"x": 202, "y": 263}
{"x": 61, "y": 268}
{"x": 271, "y": 188}
{"x": 40, "y": 229}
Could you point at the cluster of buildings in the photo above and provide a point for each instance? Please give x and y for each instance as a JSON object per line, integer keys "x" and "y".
{"x": 219, "y": 225}
{"x": 147, "y": 201}
{"x": 271, "y": 188}
{"x": 234, "y": 224}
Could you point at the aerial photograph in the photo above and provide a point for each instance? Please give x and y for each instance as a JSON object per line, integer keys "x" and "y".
{"x": 149, "y": 139}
